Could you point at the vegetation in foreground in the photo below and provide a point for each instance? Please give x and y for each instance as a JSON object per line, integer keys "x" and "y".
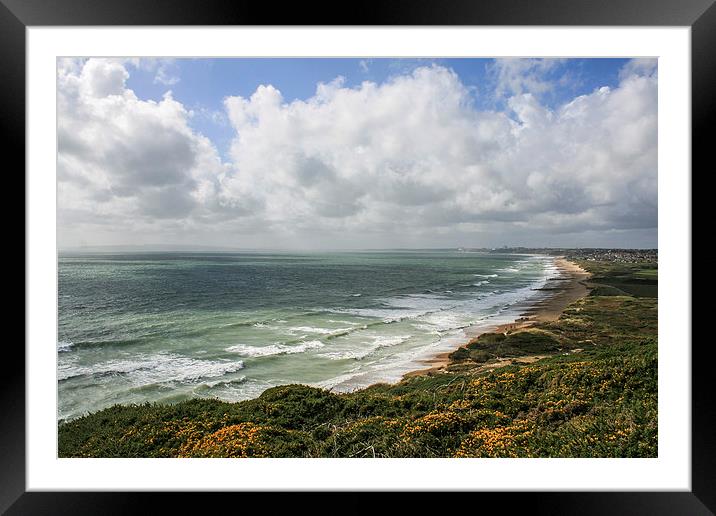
{"x": 596, "y": 396}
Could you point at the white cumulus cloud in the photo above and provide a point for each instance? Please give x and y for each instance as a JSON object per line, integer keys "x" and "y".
{"x": 410, "y": 161}
{"x": 123, "y": 161}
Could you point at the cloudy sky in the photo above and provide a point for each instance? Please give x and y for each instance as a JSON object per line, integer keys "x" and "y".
{"x": 357, "y": 153}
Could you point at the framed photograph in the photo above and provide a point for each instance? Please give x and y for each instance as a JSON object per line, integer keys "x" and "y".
{"x": 417, "y": 248}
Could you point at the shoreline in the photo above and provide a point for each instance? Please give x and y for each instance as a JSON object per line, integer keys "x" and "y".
{"x": 536, "y": 410}
{"x": 570, "y": 288}
{"x": 556, "y": 293}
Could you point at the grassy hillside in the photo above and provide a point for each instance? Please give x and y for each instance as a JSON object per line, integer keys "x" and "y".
{"x": 631, "y": 279}
{"x": 595, "y": 396}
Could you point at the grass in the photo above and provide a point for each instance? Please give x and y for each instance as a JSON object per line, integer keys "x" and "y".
{"x": 491, "y": 346}
{"x": 616, "y": 279}
{"x": 596, "y": 396}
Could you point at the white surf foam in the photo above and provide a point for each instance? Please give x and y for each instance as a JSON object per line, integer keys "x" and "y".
{"x": 144, "y": 369}
{"x": 320, "y": 331}
{"x": 274, "y": 349}
{"x": 64, "y": 345}
{"x": 379, "y": 342}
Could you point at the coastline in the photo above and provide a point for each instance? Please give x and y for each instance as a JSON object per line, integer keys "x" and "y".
{"x": 533, "y": 411}
{"x": 569, "y": 287}
{"x": 536, "y": 302}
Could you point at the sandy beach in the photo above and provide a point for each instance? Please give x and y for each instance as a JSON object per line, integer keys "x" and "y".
{"x": 565, "y": 289}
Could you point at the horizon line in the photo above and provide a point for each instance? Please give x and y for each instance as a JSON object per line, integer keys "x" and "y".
{"x": 198, "y": 248}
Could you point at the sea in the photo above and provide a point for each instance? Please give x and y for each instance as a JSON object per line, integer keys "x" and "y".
{"x": 166, "y": 327}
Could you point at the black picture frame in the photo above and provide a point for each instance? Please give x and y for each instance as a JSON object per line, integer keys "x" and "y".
{"x": 700, "y": 15}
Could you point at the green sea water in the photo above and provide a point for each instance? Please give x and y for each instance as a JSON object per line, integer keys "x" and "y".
{"x": 165, "y": 327}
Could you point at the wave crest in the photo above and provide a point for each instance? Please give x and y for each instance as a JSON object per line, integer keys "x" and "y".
{"x": 273, "y": 349}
